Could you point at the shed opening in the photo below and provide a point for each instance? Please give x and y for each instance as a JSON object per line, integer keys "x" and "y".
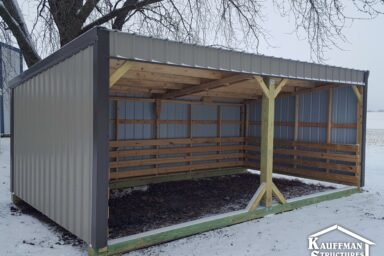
{"x": 169, "y": 124}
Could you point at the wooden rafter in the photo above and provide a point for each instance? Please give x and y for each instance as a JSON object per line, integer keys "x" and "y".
{"x": 119, "y": 72}
{"x": 207, "y": 86}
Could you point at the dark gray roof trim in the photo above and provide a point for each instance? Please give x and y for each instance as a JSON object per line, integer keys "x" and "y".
{"x": 148, "y": 49}
{"x": 65, "y": 52}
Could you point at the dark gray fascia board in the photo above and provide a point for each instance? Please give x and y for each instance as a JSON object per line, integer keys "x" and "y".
{"x": 76, "y": 45}
{"x": 100, "y": 181}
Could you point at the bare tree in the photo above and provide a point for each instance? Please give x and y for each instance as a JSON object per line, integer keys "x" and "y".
{"x": 229, "y": 22}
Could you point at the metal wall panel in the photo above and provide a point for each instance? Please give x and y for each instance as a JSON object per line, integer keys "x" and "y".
{"x": 284, "y": 112}
{"x": 344, "y": 112}
{"x": 313, "y": 109}
{"x": 11, "y": 66}
{"x": 135, "y": 47}
{"x": 254, "y": 117}
{"x": 53, "y": 142}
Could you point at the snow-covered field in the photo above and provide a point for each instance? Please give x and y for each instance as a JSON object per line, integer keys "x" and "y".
{"x": 281, "y": 234}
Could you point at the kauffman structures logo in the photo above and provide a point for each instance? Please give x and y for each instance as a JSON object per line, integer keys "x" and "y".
{"x": 342, "y": 242}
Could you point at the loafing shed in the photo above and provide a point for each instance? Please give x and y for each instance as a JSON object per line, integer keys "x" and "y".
{"x": 114, "y": 110}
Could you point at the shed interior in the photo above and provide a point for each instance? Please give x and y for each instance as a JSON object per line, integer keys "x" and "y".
{"x": 171, "y": 123}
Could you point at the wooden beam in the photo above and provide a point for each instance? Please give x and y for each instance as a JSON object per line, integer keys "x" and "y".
{"x": 358, "y": 94}
{"x": 255, "y": 201}
{"x": 119, "y": 72}
{"x": 267, "y": 131}
{"x": 206, "y": 86}
{"x": 278, "y": 194}
{"x": 270, "y": 92}
{"x": 180, "y": 71}
{"x": 280, "y": 86}
{"x": 157, "y": 77}
{"x": 230, "y": 95}
{"x": 263, "y": 86}
{"x": 141, "y": 181}
{"x": 174, "y": 169}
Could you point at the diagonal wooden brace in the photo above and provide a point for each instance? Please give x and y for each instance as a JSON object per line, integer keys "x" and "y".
{"x": 119, "y": 73}
{"x": 255, "y": 201}
{"x": 278, "y": 194}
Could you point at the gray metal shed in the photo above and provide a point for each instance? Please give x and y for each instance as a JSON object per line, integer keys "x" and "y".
{"x": 11, "y": 66}
{"x": 111, "y": 108}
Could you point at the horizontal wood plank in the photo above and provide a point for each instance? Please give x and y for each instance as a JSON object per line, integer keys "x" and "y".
{"x": 166, "y": 170}
{"x": 177, "y": 150}
{"x": 170, "y": 160}
{"x": 160, "y": 142}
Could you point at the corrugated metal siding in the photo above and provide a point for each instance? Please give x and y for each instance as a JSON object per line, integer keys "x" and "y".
{"x": 134, "y": 47}
{"x": 254, "y": 117}
{"x": 53, "y": 142}
{"x": 11, "y": 67}
{"x": 285, "y": 113}
{"x": 313, "y": 109}
{"x": 130, "y": 110}
{"x": 344, "y": 112}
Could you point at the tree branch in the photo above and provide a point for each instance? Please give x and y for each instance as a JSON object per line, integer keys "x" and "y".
{"x": 24, "y": 42}
{"x": 87, "y": 8}
{"x": 114, "y": 13}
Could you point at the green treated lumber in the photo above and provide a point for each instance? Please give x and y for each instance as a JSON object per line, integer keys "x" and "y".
{"x": 270, "y": 92}
{"x": 255, "y": 201}
{"x": 16, "y": 200}
{"x": 99, "y": 252}
{"x": 195, "y": 227}
{"x": 266, "y": 147}
{"x": 278, "y": 194}
{"x": 141, "y": 181}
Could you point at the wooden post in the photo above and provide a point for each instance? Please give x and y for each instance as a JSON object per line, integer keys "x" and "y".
{"x": 218, "y": 130}
{"x": 329, "y": 121}
{"x": 190, "y": 130}
{"x": 267, "y": 131}
{"x": 359, "y": 124}
{"x": 157, "y": 127}
{"x": 267, "y": 188}
{"x": 296, "y": 128}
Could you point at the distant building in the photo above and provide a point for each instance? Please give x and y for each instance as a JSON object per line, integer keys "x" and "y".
{"x": 11, "y": 66}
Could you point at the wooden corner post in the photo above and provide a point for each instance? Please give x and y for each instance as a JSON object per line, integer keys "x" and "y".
{"x": 270, "y": 88}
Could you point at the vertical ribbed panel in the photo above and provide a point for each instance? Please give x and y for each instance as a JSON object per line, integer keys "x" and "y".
{"x": 53, "y": 142}
{"x": 313, "y": 109}
{"x": 254, "y": 115}
{"x": 344, "y": 112}
{"x": 173, "y": 111}
{"x": 284, "y": 113}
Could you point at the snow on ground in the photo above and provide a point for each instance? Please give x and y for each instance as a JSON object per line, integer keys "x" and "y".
{"x": 281, "y": 234}
{"x": 22, "y": 234}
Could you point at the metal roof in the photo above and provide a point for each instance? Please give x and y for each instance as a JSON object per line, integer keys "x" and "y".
{"x": 141, "y": 48}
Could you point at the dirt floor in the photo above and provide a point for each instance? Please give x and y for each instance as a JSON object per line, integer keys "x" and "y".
{"x": 161, "y": 205}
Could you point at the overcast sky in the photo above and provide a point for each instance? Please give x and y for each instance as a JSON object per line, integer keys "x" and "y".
{"x": 363, "y": 51}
